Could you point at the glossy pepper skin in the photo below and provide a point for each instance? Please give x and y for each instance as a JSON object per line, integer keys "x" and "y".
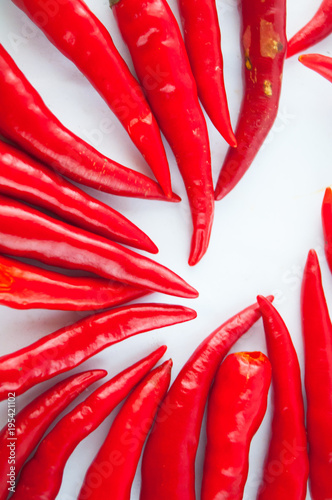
{"x": 317, "y": 335}
{"x": 27, "y": 121}
{"x": 286, "y": 466}
{"x": 321, "y": 64}
{"x": 23, "y": 178}
{"x": 318, "y": 28}
{"x": 70, "y": 346}
{"x": 168, "y": 468}
{"x": 327, "y": 225}
{"x": 42, "y": 476}
{"x": 26, "y": 232}
{"x": 126, "y": 438}
{"x": 81, "y": 37}
{"x": 33, "y": 420}
{"x": 236, "y": 408}
{"x": 264, "y": 49}
{"x": 28, "y": 287}
{"x": 154, "y": 40}
{"x": 203, "y": 43}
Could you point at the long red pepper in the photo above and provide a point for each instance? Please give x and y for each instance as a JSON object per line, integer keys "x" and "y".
{"x": 168, "y": 469}
{"x": 327, "y": 225}
{"x": 264, "y": 49}
{"x": 236, "y": 408}
{"x": 153, "y": 37}
{"x": 33, "y": 421}
{"x": 286, "y": 466}
{"x": 126, "y": 438}
{"x": 203, "y": 43}
{"x": 91, "y": 48}
{"x": 23, "y": 178}
{"x": 42, "y": 476}
{"x": 26, "y": 120}
{"x": 317, "y": 334}
{"x": 29, "y": 233}
{"x": 70, "y": 346}
{"x": 25, "y": 287}
{"x": 320, "y": 64}
{"x": 318, "y": 28}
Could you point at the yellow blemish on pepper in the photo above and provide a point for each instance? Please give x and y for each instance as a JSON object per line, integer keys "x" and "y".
{"x": 6, "y": 280}
{"x": 267, "y": 88}
{"x": 270, "y": 43}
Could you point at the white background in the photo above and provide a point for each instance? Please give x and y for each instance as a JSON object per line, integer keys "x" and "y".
{"x": 262, "y": 231}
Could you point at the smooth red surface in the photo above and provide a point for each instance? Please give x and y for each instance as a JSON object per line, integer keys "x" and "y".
{"x": 321, "y": 64}
{"x": 327, "y": 225}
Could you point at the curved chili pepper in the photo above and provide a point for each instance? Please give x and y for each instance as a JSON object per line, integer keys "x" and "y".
{"x": 318, "y": 28}
{"x": 264, "y": 49}
{"x": 29, "y": 233}
{"x": 32, "y": 422}
{"x": 317, "y": 334}
{"x": 42, "y": 476}
{"x": 27, "y": 180}
{"x": 70, "y": 346}
{"x": 327, "y": 225}
{"x": 286, "y": 466}
{"x": 126, "y": 438}
{"x": 81, "y": 37}
{"x": 154, "y": 40}
{"x": 236, "y": 408}
{"x": 320, "y": 64}
{"x": 203, "y": 43}
{"x": 26, "y": 120}
{"x": 168, "y": 469}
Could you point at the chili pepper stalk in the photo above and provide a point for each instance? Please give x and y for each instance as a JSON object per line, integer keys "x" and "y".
{"x": 321, "y": 64}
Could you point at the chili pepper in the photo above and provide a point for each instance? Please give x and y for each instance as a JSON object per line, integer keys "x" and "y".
{"x": 126, "y": 438}
{"x": 81, "y": 37}
{"x": 25, "y": 287}
{"x": 29, "y": 233}
{"x": 26, "y": 120}
{"x": 203, "y": 43}
{"x": 24, "y": 179}
{"x": 264, "y": 49}
{"x": 154, "y": 40}
{"x": 72, "y": 345}
{"x": 318, "y": 28}
{"x": 327, "y": 225}
{"x": 320, "y": 64}
{"x": 32, "y": 422}
{"x": 168, "y": 469}
{"x": 42, "y": 476}
{"x": 287, "y": 453}
{"x": 317, "y": 334}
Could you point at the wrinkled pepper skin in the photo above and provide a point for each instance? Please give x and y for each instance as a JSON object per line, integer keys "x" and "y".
{"x": 317, "y": 335}
{"x": 26, "y": 232}
{"x": 154, "y": 41}
{"x": 236, "y": 408}
{"x": 321, "y": 64}
{"x": 264, "y": 49}
{"x": 327, "y": 225}
{"x": 27, "y": 121}
{"x": 81, "y": 37}
{"x": 126, "y": 438}
{"x": 32, "y": 422}
{"x": 287, "y": 451}
{"x": 70, "y": 346}
{"x": 42, "y": 476}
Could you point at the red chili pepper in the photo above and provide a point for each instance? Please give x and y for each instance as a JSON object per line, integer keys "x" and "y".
{"x": 264, "y": 49}
{"x": 70, "y": 346}
{"x": 327, "y": 225}
{"x": 81, "y": 37}
{"x": 42, "y": 476}
{"x": 286, "y": 466}
{"x": 168, "y": 469}
{"x": 320, "y": 64}
{"x": 32, "y": 422}
{"x": 27, "y": 180}
{"x": 25, "y": 287}
{"x": 318, "y": 28}
{"x": 203, "y": 43}
{"x": 154, "y": 40}
{"x": 126, "y": 438}
{"x": 236, "y": 408}
{"x": 26, "y": 120}
{"x": 29, "y": 233}
{"x": 317, "y": 334}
